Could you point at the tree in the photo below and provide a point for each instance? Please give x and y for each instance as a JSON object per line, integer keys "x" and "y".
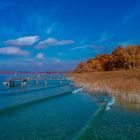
{"x": 83, "y": 67}
{"x": 122, "y": 56}
{"x": 132, "y": 51}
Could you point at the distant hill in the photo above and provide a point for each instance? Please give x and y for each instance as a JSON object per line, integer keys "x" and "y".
{"x": 120, "y": 58}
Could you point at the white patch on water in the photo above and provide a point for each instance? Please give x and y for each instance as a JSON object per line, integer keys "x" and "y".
{"x": 110, "y": 103}
{"x": 77, "y": 90}
{"x": 4, "y": 83}
{"x": 107, "y": 107}
{"x": 71, "y": 83}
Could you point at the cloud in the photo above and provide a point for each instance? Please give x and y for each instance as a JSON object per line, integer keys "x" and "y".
{"x": 97, "y": 47}
{"x": 13, "y": 51}
{"x": 83, "y": 41}
{"x": 53, "y": 11}
{"x": 80, "y": 47}
{"x": 23, "y": 41}
{"x": 40, "y": 56}
{"x": 53, "y": 42}
{"x": 128, "y": 42}
{"x": 49, "y": 30}
{"x": 40, "y": 64}
{"x": 65, "y": 42}
{"x": 129, "y": 17}
{"x": 56, "y": 61}
{"x": 105, "y": 37}
{"x": 135, "y": 13}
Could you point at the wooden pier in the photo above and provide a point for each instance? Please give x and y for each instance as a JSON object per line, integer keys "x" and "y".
{"x": 12, "y": 82}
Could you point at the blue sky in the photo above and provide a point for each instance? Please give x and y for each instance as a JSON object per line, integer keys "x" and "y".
{"x": 42, "y": 35}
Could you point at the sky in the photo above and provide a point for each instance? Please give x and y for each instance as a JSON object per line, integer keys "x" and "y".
{"x": 56, "y": 35}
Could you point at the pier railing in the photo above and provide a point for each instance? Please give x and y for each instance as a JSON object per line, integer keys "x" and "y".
{"x": 12, "y": 82}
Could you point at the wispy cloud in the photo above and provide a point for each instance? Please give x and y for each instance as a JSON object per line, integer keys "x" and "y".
{"x": 130, "y": 17}
{"x": 96, "y": 47}
{"x": 79, "y": 47}
{"x": 83, "y": 41}
{"x": 128, "y": 42}
{"x": 53, "y": 42}
{"x": 53, "y": 11}
{"x": 56, "y": 61}
{"x": 15, "y": 51}
{"x": 135, "y": 13}
{"x": 23, "y": 41}
{"x": 105, "y": 36}
{"x": 51, "y": 28}
{"x": 40, "y": 56}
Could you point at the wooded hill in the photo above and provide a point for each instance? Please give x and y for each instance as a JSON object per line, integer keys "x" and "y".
{"x": 121, "y": 58}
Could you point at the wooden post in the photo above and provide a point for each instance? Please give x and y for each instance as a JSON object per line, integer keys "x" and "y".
{"x": 24, "y": 83}
{"x": 46, "y": 82}
{"x": 11, "y": 83}
{"x": 8, "y": 83}
{"x": 60, "y": 81}
{"x": 37, "y": 82}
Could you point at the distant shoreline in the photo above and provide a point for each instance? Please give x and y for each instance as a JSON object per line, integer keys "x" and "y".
{"x": 123, "y": 84}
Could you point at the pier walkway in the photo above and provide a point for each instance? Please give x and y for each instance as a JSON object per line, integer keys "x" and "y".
{"x": 35, "y": 79}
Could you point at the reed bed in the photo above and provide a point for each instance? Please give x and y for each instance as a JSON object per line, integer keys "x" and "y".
{"x": 124, "y": 84}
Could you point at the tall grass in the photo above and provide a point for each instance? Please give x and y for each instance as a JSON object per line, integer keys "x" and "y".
{"x": 125, "y": 84}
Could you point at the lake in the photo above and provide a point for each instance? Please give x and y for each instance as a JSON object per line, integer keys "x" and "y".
{"x": 70, "y": 116}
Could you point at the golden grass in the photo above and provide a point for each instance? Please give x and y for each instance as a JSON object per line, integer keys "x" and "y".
{"x": 125, "y": 84}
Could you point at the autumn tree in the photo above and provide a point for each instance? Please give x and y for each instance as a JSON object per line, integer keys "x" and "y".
{"x": 120, "y": 58}
{"x": 83, "y": 67}
{"x": 95, "y": 64}
{"x": 132, "y": 52}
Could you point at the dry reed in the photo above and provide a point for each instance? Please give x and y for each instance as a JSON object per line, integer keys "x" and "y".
{"x": 124, "y": 84}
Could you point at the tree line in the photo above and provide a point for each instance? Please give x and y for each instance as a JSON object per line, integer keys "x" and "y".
{"x": 120, "y": 58}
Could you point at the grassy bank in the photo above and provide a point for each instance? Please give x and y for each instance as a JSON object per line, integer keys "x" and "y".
{"x": 125, "y": 84}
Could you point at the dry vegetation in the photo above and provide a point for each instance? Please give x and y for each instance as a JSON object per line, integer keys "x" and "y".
{"x": 116, "y": 74}
{"x": 125, "y": 84}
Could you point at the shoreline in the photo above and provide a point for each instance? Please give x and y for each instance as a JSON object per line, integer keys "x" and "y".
{"x": 123, "y": 84}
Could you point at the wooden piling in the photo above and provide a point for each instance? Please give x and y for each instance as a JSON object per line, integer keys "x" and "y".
{"x": 11, "y": 83}
{"x": 24, "y": 83}
{"x": 46, "y": 82}
{"x": 37, "y": 82}
{"x": 60, "y": 81}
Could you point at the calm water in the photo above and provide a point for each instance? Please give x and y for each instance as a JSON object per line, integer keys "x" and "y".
{"x": 69, "y": 117}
